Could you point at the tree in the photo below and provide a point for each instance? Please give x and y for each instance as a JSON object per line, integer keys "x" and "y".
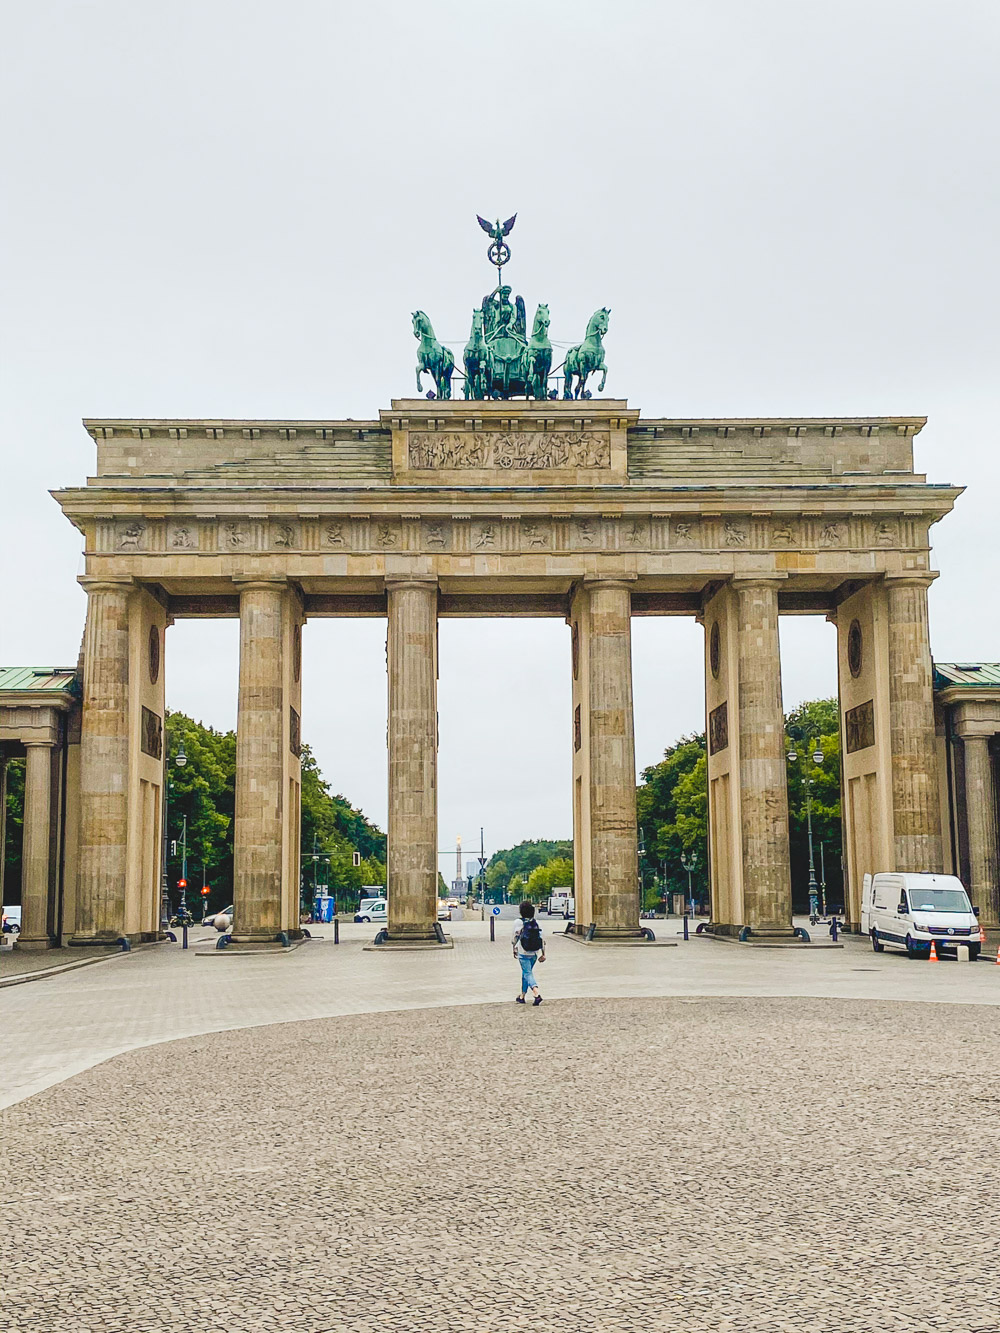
{"x": 522, "y": 859}
{"x": 555, "y": 874}
{"x": 672, "y": 808}
{"x": 204, "y": 791}
{"x": 15, "y": 831}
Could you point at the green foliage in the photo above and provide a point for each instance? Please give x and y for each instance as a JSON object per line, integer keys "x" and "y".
{"x": 522, "y": 859}
{"x": 672, "y": 807}
{"x": 204, "y": 790}
{"x": 516, "y": 889}
{"x": 555, "y": 874}
{"x": 15, "y": 830}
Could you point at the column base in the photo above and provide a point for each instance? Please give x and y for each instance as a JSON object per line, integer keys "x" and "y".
{"x": 34, "y": 945}
{"x": 609, "y": 934}
{"x": 269, "y": 943}
{"x": 771, "y": 937}
{"x": 397, "y": 943}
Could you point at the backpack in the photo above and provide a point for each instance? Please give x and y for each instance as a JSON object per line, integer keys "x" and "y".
{"x": 531, "y": 936}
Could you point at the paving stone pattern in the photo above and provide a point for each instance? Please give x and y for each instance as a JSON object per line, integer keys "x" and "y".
{"x": 590, "y": 1166}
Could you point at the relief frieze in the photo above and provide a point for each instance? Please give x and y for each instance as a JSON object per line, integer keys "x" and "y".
{"x": 509, "y": 450}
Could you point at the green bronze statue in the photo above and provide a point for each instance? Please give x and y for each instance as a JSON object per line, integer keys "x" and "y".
{"x": 434, "y": 358}
{"x": 539, "y": 360}
{"x": 500, "y": 360}
{"x": 587, "y": 357}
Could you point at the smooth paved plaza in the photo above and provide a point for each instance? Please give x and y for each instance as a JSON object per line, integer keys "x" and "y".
{"x": 704, "y": 1137}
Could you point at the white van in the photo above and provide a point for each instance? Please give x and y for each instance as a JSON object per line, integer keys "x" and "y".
{"x": 373, "y": 909}
{"x": 908, "y": 911}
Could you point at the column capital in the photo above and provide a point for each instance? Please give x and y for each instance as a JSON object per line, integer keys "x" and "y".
{"x": 28, "y": 741}
{"x": 108, "y": 583}
{"x": 597, "y": 581}
{"x": 765, "y": 579}
{"x": 266, "y": 582}
{"x": 907, "y": 578}
{"x": 974, "y": 729}
{"x": 396, "y": 582}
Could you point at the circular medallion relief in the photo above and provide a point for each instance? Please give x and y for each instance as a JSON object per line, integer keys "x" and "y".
{"x": 855, "y": 648}
{"x": 154, "y": 654}
{"x": 297, "y": 651}
{"x": 714, "y": 650}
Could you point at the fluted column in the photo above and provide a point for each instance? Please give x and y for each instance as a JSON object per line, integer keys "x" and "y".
{"x": 767, "y": 885}
{"x": 35, "y": 856}
{"x": 614, "y": 865}
{"x": 412, "y": 842}
{"x": 259, "y": 808}
{"x": 104, "y": 749}
{"x": 916, "y": 797}
{"x": 981, "y": 817}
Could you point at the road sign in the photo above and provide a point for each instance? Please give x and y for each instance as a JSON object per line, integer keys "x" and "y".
{"x": 494, "y": 911}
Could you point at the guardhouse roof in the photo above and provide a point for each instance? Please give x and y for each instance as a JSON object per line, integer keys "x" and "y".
{"x": 974, "y": 674}
{"x": 35, "y": 679}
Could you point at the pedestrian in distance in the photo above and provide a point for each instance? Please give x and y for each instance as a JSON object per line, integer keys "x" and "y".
{"x": 529, "y": 949}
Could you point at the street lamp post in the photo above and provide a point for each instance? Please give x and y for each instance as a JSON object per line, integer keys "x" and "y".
{"x": 179, "y": 761}
{"x": 817, "y": 758}
{"x": 690, "y": 864}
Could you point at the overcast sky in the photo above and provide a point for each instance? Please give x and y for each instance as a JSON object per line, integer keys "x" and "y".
{"x": 229, "y": 210}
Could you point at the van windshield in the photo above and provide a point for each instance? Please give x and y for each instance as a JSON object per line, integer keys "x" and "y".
{"x": 939, "y": 900}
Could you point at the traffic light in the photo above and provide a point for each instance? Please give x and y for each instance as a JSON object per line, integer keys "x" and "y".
{"x": 205, "y": 890}
{"x": 357, "y": 858}
{"x": 182, "y": 883}
{"x": 173, "y": 846}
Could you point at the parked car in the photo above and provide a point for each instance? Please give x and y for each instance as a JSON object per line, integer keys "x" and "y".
{"x": 210, "y": 919}
{"x": 910, "y": 911}
{"x": 373, "y": 909}
{"x": 12, "y": 920}
{"x": 444, "y": 911}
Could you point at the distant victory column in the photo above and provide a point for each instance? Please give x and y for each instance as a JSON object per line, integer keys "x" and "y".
{"x": 458, "y": 885}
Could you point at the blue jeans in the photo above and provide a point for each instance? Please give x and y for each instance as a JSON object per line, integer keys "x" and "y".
{"x": 527, "y": 962}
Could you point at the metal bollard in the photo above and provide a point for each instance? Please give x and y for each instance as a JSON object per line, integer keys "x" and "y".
{"x": 493, "y": 933}
{"x": 833, "y": 929}
{"x": 686, "y": 935}
{"x": 185, "y": 944}
{"x": 336, "y": 930}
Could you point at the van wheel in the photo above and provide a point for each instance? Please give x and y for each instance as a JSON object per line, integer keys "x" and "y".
{"x": 974, "y": 952}
{"x": 877, "y": 944}
{"x": 914, "y": 950}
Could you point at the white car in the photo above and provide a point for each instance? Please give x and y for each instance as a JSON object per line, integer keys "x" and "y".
{"x": 912, "y": 911}
{"x": 373, "y": 909}
{"x": 12, "y": 920}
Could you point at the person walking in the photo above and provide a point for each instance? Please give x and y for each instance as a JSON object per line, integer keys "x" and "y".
{"x": 529, "y": 949}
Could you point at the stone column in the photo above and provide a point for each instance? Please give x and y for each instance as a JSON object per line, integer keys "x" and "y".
{"x": 916, "y": 799}
{"x": 980, "y": 814}
{"x": 35, "y": 856}
{"x": 104, "y": 748}
{"x": 3, "y": 824}
{"x": 767, "y": 884}
{"x": 260, "y": 772}
{"x": 412, "y": 843}
{"x": 613, "y": 841}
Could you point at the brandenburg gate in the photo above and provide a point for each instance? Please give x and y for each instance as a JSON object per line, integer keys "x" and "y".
{"x": 511, "y": 501}
{"x": 580, "y": 509}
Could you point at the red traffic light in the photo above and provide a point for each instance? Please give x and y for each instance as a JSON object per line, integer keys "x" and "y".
{"x": 204, "y": 890}
{"x": 182, "y": 883}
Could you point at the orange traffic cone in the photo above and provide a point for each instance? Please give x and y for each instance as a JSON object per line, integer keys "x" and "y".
{"x": 982, "y": 935}
{"x": 932, "y": 957}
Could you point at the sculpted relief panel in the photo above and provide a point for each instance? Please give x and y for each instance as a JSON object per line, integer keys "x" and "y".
{"x": 510, "y": 450}
{"x": 374, "y": 534}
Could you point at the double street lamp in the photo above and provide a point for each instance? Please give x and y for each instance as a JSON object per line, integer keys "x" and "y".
{"x": 689, "y": 860}
{"x": 817, "y": 758}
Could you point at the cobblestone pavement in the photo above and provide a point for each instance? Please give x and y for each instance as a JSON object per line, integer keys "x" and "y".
{"x": 59, "y": 1026}
{"x": 591, "y": 1166}
{"x": 21, "y": 962}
